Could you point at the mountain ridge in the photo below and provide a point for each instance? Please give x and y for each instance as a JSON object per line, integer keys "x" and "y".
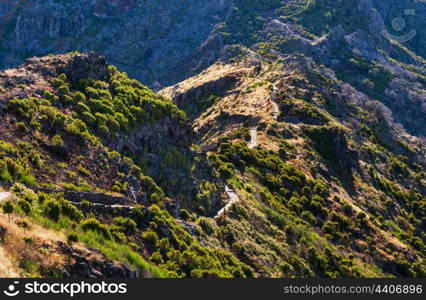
{"x": 280, "y": 141}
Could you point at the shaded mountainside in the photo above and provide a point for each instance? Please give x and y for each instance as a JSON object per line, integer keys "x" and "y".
{"x": 308, "y": 128}
{"x": 158, "y": 33}
{"x": 363, "y": 42}
{"x": 326, "y": 131}
{"x": 71, "y": 122}
{"x": 167, "y": 41}
{"x": 350, "y": 115}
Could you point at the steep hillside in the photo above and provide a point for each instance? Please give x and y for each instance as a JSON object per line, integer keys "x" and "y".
{"x": 330, "y": 174}
{"x": 297, "y": 111}
{"x": 67, "y": 123}
{"x": 168, "y": 41}
{"x": 286, "y": 139}
{"x": 159, "y": 34}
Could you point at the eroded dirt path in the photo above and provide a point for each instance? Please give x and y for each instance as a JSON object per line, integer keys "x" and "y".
{"x": 233, "y": 198}
{"x": 4, "y": 196}
{"x": 275, "y": 105}
{"x": 253, "y": 138}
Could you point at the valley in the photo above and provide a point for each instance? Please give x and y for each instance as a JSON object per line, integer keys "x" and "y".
{"x": 211, "y": 139}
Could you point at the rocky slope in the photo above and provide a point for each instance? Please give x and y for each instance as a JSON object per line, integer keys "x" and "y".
{"x": 159, "y": 35}
{"x": 21, "y": 239}
{"x": 306, "y": 127}
{"x": 330, "y": 127}
{"x": 327, "y": 130}
{"x": 106, "y": 161}
{"x": 168, "y": 41}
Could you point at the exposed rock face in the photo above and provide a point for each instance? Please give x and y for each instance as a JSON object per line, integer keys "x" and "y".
{"x": 112, "y": 8}
{"x": 331, "y": 141}
{"x": 217, "y": 87}
{"x": 164, "y": 41}
{"x": 412, "y": 12}
{"x": 151, "y": 39}
{"x": 367, "y": 43}
{"x": 93, "y": 264}
{"x": 91, "y": 66}
{"x": 98, "y": 198}
{"x": 36, "y": 72}
{"x": 218, "y": 83}
{"x": 375, "y": 22}
{"x": 146, "y": 136}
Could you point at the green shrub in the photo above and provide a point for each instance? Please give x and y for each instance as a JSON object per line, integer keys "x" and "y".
{"x": 184, "y": 214}
{"x": 197, "y": 273}
{"x": 28, "y": 240}
{"x": 52, "y": 98}
{"x": 79, "y": 97}
{"x": 28, "y": 179}
{"x": 226, "y": 171}
{"x": 308, "y": 217}
{"x": 275, "y": 218}
{"x": 4, "y": 172}
{"x": 21, "y": 126}
{"x": 76, "y": 127}
{"x": 29, "y": 195}
{"x": 63, "y": 90}
{"x": 72, "y": 238}
{"x": 206, "y": 225}
{"x": 88, "y": 118}
{"x": 119, "y": 237}
{"x": 321, "y": 189}
{"x": 86, "y": 204}
{"x": 62, "y": 77}
{"x": 286, "y": 269}
{"x": 18, "y": 188}
{"x": 155, "y": 198}
{"x": 57, "y": 140}
{"x": 71, "y": 211}
{"x": 67, "y": 99}
{"x": 93, "y": 224}
{"x": 83, "y": 171}
{"x": 344, "y": 222}
{"x": 330, "y": 228}
{"x": 127, "y": 224}
{"x": 82, "y": 107}
{"x": 25, "y": 206}
{"x": 8, "y": 208}
{"x": 150, "y": 237}
{"x": 348, "y": 209}
{"x": 138, "y": 215}
{"x": 52, "y": 209}
{"x": 150, "y": 186}
{"x": 290, "y": 232}
{"x": 156, "y": 258}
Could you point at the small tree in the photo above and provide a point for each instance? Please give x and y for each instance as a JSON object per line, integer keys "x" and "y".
{"x": 57, "y": 140}
{"x": 72, "y": 238}
{"x": 25, "y": 206}
{"x": 8, "y": 208}
{"x": 52, "y": 210}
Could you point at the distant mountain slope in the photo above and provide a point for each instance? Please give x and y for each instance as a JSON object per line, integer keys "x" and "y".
{"x": 160, "y": 43}
{"x": 71, "y": 130}
{"x": 289, "y": 142}
{"x": 145, "y": 38}
{"x": 326, "y": 131}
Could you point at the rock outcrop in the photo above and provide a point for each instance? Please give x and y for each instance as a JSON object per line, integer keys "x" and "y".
{"x": 91, "y": 263}
{"x": 150, "y": 50}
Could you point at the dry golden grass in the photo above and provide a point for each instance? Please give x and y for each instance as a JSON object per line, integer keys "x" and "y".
{"x": 31, "y": 246}
{"x": 250, "y": 98}
{"x": 249, "y": 105}
{"x": 213, "y": 73}
{"x": 7, "y": 266}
